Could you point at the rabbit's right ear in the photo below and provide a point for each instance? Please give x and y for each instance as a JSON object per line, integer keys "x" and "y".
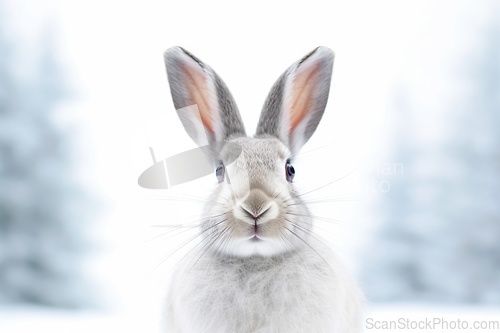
{"x": 205, "y": 106}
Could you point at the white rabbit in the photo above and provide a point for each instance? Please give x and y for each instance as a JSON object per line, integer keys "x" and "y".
{"x": 258, "y": 269}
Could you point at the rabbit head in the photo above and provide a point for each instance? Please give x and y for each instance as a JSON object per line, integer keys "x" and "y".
{"x": 254, "y": 209}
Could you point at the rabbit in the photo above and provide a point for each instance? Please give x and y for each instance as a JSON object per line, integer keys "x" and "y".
{"x": 258, "y": 268}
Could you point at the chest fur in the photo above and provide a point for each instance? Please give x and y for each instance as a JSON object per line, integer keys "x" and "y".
{"x": 286, "y": 294}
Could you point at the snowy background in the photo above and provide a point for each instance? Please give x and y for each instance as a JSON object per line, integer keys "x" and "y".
{"x": 411, "y": 131}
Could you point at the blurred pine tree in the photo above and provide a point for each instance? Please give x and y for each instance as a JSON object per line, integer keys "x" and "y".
{"x": 440, "y": 234}
{"x": 41, "y": 208}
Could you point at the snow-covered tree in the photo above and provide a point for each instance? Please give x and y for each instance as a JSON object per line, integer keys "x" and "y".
{"x": 440, "y": 234}
{"x": 41, "y": 226}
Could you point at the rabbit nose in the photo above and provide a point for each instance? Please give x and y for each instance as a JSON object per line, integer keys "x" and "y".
{"x": 255, "y": 202}
{"x": 257, "y": 208}
{"x": 254, "y": 215}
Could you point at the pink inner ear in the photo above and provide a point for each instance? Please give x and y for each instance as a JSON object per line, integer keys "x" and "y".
{"x": 197, "y": 88}
{"x": 303, "y": 90}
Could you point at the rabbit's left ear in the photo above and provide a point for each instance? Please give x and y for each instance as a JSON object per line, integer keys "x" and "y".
{"x": 296, "y": 103}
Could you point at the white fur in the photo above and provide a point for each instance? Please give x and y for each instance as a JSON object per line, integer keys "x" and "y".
{"x": 275, "y": 285}
{"x": 293, "y": 292}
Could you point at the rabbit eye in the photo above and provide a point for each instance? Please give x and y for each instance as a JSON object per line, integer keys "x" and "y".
{"x": 219, "y": 172}
{"x": 290, "y": 171}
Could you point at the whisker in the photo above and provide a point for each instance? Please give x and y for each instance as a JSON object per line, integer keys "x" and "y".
{"x": 284, "y": 188}
{"x": 173, "y": 252}
{"x": 208, "y": 237}
{"x": 286, "y": 242}
{"x": 177, "y": 227}
{"x": 183, "y": 231}
{"x": 192, "y": 223}
{"x": 292, "y": 247}
{"x": 207, "y": 246}
{"x": 182, "y": 245}
{"x": 309, "y": 245}
{"x": 325, "y": 200}
{"x": 328, "y": 245}
{"x": 186, "y": 198}
{"x": 318, "y": 227}
{"x": 166, "y": 233}
{"x": 319, "y": 218}
{"x": 331, "y": 182}
{"x": 221, "y": 240}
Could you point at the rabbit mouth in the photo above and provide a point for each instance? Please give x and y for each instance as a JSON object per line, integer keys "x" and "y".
{"x": 255, "y": 238}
